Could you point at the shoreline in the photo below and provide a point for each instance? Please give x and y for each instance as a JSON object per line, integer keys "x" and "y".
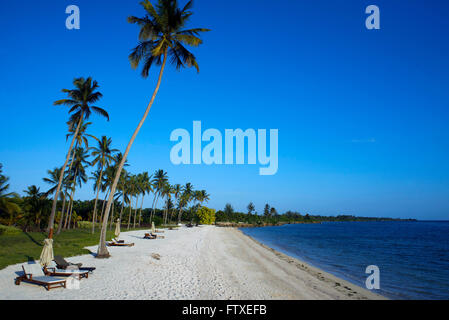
{"x": 206, "y": 263}
{"x": 345, "y": 287}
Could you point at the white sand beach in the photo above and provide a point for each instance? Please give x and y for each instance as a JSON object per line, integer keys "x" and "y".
{"x": 204, "y": 262}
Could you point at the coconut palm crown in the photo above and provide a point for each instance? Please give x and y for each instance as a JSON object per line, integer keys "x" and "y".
{"x": 162, "y": 33}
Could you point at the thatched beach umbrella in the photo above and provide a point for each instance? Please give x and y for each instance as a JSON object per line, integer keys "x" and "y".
{"x": 117, "y": 228}
{"x": 47, "y": 253}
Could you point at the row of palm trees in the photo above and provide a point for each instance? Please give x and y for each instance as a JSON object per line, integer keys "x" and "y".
{"x": 130, "y": 189}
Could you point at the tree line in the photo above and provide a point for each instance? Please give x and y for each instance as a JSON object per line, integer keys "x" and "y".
{"x": 271, "y": 216}
{"x": 31, "y": 212}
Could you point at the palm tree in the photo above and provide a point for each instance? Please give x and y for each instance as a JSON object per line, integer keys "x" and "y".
{"x": 185, "y": 199}
{"x": 131, "y": 186}
{"x": 103, "y": 157}
{"x": 82, "y": 137}
{"x": 53, "y": 180}
{"x": 79, "y": 100}
{"x": 159, "y": 180}
{"x": 78, "y": 175}
{"x": 34, "y": 204}
{"x": 161, "y": 35}
{"x": 167, "y": 191}
{"x": 204, "y": 197}
{"x": 251, "y": 208}
{"x": 147, "y": 187}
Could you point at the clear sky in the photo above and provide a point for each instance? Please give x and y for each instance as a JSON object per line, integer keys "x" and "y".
{"x": 362, "y": 114}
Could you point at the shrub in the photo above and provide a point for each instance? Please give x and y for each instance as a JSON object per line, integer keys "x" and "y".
{"x": 6, "y": 230}
{"x": 206, "y": 215}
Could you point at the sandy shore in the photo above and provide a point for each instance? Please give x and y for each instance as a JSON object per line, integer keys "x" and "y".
{"x": 195, "y": 263}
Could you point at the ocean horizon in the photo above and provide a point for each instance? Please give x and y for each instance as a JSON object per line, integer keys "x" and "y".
{"x": 412, "y": 256}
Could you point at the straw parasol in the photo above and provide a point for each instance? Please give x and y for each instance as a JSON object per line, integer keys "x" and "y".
{"x": 117, "y": 228}
{"x": 47, "y": 253}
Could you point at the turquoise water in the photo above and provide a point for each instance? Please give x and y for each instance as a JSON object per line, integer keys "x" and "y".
{"x": 413, "y": 257}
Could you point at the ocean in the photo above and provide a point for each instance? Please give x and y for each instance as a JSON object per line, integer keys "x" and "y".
{"x": 412, "y": 256}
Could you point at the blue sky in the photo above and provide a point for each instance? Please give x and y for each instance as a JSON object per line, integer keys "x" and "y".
{"x": 362, "y": 114}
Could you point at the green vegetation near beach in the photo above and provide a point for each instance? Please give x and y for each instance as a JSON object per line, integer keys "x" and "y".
{"x": 19, "y": 246}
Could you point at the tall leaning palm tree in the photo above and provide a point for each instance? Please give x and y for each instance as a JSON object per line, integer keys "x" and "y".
{"x": 161, "y": 36}
{"x": 103, "y": 154}
{"x": 80, "y": 100}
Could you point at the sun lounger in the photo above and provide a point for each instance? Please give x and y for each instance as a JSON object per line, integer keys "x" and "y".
{"x": 152, "y": 236}
{"x": 33, "y": 273}
{"x": 53, "y": 270}
{"x": 61, "y": 263}
{"x": 113, "y": 243}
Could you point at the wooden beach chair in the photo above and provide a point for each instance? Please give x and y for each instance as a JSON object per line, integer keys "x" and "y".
{"x": 33, "y": 273}
{"x": 62, "y": 263}
{"x": 53, "y": 270}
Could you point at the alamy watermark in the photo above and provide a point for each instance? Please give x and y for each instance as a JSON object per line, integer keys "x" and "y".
{"x": 373, "y": 20}
{"x": 212, "y": 153}
{"x": 373, "y": 280}
{"x": 73, "y": 20}
{"x": 73, "y": 282}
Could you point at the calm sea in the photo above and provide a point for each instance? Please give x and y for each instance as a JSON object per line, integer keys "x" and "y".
{"x": 413, "y": 257}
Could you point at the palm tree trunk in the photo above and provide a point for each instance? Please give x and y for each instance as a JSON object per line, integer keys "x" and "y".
{"x": 102, "y": 250}
{"x": 61, "y": 176}
{"x": 69, "y": 216}
{"x": 102, "y": 209}
{"x": 140, "y": 212}
{"x": 68, "y": 211}
{"x": 112, "y": 217}
{"x": 121, "y": 210}
{"x": 154, "y": 207}
{"x": 130, "y": 211}
{"x": 94, "y": 216}
{"x": 73, "y": 195}
{"x": 71, "y": 212}
{"x": 65, "y": 196}
{"x": 62, "y": 213}
{"x": 135, "y": 213}
{"x": 179, "y": 215}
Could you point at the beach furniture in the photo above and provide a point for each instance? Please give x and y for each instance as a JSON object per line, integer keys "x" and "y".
{"x": 33, "y": 273}
{"x": 61, "y": 263}
{"x": 152, "y": 236}
{"x": 53, "y": 270}
{"x": 114, "y": 243}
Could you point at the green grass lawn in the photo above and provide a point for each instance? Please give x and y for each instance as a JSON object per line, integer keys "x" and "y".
{"x": 21, "y": 247}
